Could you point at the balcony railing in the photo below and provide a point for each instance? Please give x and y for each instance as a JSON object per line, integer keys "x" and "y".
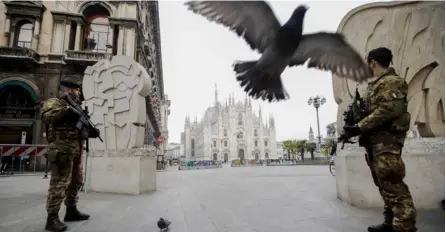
{"x": 86, "y": 56}
{"x": 20, "y": 53}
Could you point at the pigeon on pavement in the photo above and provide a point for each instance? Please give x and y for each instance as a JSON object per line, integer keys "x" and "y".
{"x": 280, "y": 46}
{"x": 163, "y": 224}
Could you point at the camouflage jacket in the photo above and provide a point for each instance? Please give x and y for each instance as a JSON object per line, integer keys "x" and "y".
{"x": 386, "y": 126}
{"x": 62, "y": 134}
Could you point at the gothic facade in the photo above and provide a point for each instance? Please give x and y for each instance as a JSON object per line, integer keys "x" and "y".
{"x": 228, "y": 131}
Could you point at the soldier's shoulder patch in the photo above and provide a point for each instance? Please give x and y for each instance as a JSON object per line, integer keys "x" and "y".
{"x": 393, "y": 94}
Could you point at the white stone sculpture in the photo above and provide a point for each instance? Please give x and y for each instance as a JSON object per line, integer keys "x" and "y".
{"x": 414, "y": 31}
{"x": 115, "y": 92}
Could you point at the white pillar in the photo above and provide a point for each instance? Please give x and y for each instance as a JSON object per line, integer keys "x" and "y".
{"x": 120, "y": 49}
{"x": 77, "y": 42}
{"x": 67, "y": 35}
{"x": 36, "y": 32}
{"x": 11, "y": 37}
{"x": 110, "y": 39}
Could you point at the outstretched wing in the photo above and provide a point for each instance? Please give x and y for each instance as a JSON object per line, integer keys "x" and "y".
{"x": 254, "y": 20}
{"x": 329, "y": 51}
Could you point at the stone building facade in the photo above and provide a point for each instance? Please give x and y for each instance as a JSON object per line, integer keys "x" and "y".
{"x": 42, "y": 42}
{"x": 229, "y": 131}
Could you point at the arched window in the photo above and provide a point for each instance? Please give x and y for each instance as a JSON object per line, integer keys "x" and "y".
{"x": 255, "y": 132}
{"x": 24, "y": 34}
{"x": 192, "y": 143}
{"x": 240, "y": 119}
{"x": 225, "y": 132}
{"x": 225, "y": 143}
{"x": 16, "y": 96}
{"x": 240, "y": 135}
{"x": 266, "y": 155}
{"x": 256, "y": 143}
{"x": 214, "y": 143}
{"x": 96, "y": 32}
{"x": 266, "y": 143}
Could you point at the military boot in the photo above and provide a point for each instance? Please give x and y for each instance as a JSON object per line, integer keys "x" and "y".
{"x": 74, "y": 215}
{"x": 54, "y": 224}
{"x": 383, "y": 227}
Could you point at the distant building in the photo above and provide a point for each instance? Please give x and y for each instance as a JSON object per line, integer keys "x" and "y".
{"x": 173, "y": 151}
{"x": 229, "y": 131}
{"x": 281, "y": 153}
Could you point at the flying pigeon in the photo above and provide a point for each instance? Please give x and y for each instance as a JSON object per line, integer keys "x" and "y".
{"x": 163, "y": 224}
{"x": 280, "y": 46}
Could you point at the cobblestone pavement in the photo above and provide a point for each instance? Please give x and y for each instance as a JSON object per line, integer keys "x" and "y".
{"x": 257, "y": 199}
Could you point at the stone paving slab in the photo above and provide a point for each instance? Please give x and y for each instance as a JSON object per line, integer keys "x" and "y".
{"x": 260, "y": 199}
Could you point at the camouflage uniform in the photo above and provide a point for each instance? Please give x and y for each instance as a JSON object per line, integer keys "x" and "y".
{"x": 383, "y": 134}
{"x": 64, "y": 155}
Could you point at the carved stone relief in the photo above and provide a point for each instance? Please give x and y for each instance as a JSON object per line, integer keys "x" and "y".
{"x": 115, "y": 94}
{"x": 414, "y": 31}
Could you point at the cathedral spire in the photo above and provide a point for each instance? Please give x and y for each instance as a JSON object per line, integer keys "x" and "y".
{"x": 216, "y": 95}
{"x": 311, "y": 134}
{"x": 271, "y": 121}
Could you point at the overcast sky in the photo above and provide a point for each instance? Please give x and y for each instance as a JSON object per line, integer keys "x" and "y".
{"x": 198, "y": 53}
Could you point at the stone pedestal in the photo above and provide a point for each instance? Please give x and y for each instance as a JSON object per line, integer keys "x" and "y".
{"x": 424, "y": 159}
{"x": 131, "y": 171}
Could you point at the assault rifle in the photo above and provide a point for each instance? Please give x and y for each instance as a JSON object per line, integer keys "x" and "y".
{"x": 354, "y": 113}
{"x": 84, "y": 124}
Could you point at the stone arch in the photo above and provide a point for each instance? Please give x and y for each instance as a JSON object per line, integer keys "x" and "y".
{"x": 225, "y": 157}
{"x": 84, "y": 5}
{"x": 30, "y": 86}
{"x": 267, "y": 153}
{"x": 241, "y": 154}
{"x": 240, "y": 119}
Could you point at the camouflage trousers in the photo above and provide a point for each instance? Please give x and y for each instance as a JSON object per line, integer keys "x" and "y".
{"x": 388, "y": 171}
{"x": 66, "y": 180}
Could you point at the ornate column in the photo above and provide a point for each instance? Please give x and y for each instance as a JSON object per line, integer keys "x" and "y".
{"x": 37, "y": 127}
{"x": 110, "y": 39}
{"x": 67, "y": 35}
{"x": 11, "y": 36}
{"x": 77, "y": 41}
{"x": 120, "y": 48}
{"x": 35, "y": 38}
{"x": 7, "y": 28}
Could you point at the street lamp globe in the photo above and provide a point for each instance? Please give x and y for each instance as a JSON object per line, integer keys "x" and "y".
{"x": 323, "y": 100}
{"x": 310, "y": 101}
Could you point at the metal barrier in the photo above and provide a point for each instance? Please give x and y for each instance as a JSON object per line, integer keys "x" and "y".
{"x": 199, "y": 164}
{"x": 20, "y": 158}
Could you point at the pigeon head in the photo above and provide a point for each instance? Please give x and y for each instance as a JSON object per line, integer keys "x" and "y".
{"x": 300, "y": 11}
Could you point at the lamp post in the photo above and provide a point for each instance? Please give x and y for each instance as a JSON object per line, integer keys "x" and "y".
{"x": 317, "y": 102}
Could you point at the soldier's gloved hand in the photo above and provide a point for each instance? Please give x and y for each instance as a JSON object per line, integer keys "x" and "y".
{"x": 94, "y": 133}
{"x": 352, "y": 131}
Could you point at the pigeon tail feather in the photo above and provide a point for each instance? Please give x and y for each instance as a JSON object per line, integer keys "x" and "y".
{"x": 258, "y": 84}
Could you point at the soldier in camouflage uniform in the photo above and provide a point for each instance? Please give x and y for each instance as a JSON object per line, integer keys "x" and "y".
{"x": 64, "y": 154}
{"x": 382, "y": 133}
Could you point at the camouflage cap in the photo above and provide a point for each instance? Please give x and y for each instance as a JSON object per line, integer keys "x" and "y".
{"x": 70, "y": 84}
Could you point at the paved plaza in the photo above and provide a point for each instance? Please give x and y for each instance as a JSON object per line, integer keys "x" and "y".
{"x": 257, "y": 199}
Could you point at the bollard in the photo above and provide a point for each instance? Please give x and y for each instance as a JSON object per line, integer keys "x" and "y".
{"x": 35, "y": 159}
{"x": 46, "y": 168}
